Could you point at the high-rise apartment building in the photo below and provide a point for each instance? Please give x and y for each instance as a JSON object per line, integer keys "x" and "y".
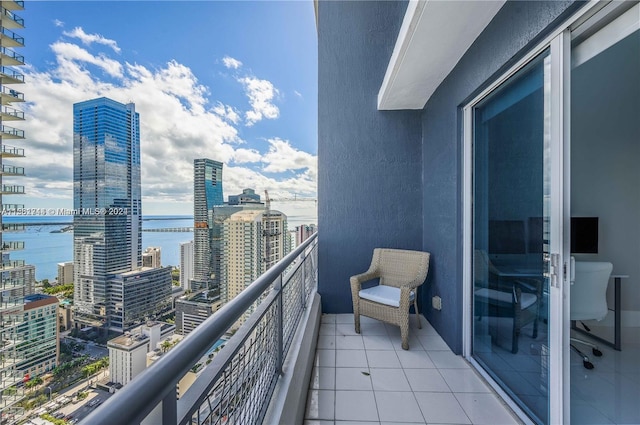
{"x": 186, "y": 264}
{"x": 152, "y": 257}
{"x": 65, "y": 273}
{"x": 107, "y": 203}
{"x": 254, "y": 240}
{"x": 13, "y": 271}
{"x": 303, "y": 232}
{"x": 207, "y": 194}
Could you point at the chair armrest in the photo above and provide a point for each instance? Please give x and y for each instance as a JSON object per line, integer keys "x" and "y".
{"x": 359, "y": 279}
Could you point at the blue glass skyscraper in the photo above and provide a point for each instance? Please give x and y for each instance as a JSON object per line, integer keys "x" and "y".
{"x": 107, "y": 203}
{"x": 207, "y": 194}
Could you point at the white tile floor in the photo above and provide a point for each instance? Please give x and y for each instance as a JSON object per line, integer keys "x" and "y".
{"x": 368, "y": 379}
{"x": 609, "y": 393}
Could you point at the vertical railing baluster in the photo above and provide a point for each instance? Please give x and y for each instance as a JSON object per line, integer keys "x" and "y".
{"x": 280, "y": 327}
{"x": 170, "y": 408}
{"x": 303, "y": 283}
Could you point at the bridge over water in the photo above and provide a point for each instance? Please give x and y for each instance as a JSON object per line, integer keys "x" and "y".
{"x": 170, "y": 229}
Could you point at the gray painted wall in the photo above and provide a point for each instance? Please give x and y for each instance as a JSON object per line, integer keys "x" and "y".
{"x": 605, "y": 153}
{"x": 394, "y": 178}
{"x": 517, "y": 25}
{"x": 369, "y": 161}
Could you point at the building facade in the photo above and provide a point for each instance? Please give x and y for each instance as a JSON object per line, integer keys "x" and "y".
{"x": 107, "y": 203}
{"x": 127, "y": 357}
{"x": 304, "y": 231}
{"x": 247, "y": 196}
{"x": 207, "y": 194}
{"x": 12, "y": 274}
{"x": 195, "y": 309}
{"x": 40, "y": 348}
{"x": 186, "y": 264}
{"x": 151, "y": 257}
{"x": 65, "y": 273}
{"x": 254, "y": 240}
{"x": 137, "y": 296}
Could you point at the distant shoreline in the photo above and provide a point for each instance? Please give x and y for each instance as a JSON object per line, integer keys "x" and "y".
{"x": 32, "y": 220}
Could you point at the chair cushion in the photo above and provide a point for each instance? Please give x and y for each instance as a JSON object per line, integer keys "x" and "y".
{"x": 387, "y": 295}
{"x": 506, "y": 297}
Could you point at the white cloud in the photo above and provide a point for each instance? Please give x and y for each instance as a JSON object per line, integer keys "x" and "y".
{"x": 227, "y": 112}
{"x": 297, "y": 93}
{"x": 284, "y": 157}
{"x": 88, "y": 39}
{"x": 244, "y": 156}
{"x": 231, "y": 63}
{"x": 68, "y": 52}
{"x": 179, "y": 122}
{"x": 58, "y": 23}
{"x": 260, "y": 94}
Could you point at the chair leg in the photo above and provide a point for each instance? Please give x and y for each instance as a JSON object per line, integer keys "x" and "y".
{"x": 415, "y": 306}
{"x": 356, "y": 319}
{"x": 514, "y": 336}
{"x": 404, "y": 333}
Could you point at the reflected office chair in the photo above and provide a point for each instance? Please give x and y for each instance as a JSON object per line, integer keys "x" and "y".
{"x": 518, "y": 299}
{"x": 589, "y": 300}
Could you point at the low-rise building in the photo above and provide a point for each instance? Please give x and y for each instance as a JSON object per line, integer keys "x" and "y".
{"x": 137, "y": 296}
{"x": 195, "y": 309}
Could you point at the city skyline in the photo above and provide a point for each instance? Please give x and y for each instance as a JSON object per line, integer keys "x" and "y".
{"x": 247, "y": 101}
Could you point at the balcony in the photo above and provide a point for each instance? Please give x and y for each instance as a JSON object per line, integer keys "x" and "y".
{"x": 10, "y": 38}
{"x": 11, "y": 152}
{"x": 7, "y": 189}
{"x": 8, "y": 113}
{"x": 9, "y": 76}
{"x": 12, "y": 246}
{"x": 8, "y": 95}
{"x": 267, "y": 374}
{"x": 11, "y": 265}
{"x": 11, "y": 132}
{"x": 13, "y": 4}
{"x": 12, "y": 227}
{"x": 9, "y": 57}
{"x": 10, "y": 19}
{"x": 11, "y": 170}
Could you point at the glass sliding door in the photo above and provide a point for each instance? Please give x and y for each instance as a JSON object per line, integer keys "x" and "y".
{"x": 511, "y": 229}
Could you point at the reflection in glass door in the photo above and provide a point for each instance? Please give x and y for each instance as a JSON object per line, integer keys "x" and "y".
{"x": 511, "y": 251}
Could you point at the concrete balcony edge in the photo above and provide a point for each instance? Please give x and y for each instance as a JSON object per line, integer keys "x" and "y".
{"x": 289, "y": 398}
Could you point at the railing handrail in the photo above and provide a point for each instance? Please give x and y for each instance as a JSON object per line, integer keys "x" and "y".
{"x": 139, "y": 397}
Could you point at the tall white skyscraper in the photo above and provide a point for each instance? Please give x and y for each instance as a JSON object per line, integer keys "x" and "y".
{"x": 186, "y": 264}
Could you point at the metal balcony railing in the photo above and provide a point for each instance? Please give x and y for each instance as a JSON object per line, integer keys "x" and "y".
{"x": 11, "y": 132}
{"x": 14, "y": 57}
{"x": 14, "y": 38}
{"x": 6, "y": 13}
{"x": 12, "y": 189}
{"x": 11, "y": 151}
{"x": 14, "y": 95}
{"x": 11, "y": 74}
{"x": 12, "y": 170}
{"x": 236, "y": 387}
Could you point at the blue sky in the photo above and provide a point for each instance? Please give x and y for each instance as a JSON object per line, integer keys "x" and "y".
{"x": 231, "y": 81}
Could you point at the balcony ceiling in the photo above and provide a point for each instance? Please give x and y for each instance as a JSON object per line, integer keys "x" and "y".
{"x": 433, "y": 37}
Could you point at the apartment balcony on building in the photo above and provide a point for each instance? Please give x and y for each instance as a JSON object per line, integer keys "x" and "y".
{"x": 11, "y": 170}
{"x": 291, "y": 364}
{"x": 10, "y": 38}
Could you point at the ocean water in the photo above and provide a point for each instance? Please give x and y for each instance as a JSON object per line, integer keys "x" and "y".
{"x": 45, "y": 250}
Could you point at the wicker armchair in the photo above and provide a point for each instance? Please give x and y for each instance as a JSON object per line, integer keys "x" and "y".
{"x": 400, "y": 273}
